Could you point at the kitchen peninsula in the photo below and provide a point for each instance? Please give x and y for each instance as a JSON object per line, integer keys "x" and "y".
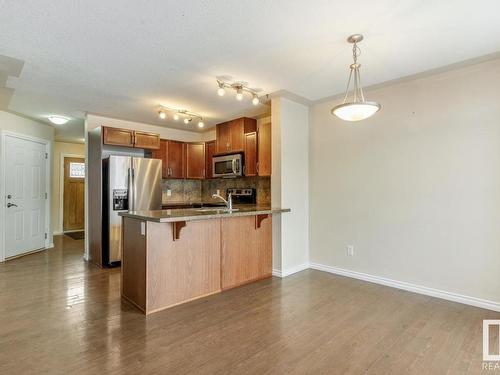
{"x": 174, "y": 256}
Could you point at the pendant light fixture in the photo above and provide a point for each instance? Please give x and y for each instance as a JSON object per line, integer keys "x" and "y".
{"x": 358, "y": 108}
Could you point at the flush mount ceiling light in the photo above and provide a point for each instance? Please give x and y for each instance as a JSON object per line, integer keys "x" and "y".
{"x": 187, "y": 116}
{"x": 240, "y": 88}
{"x": 358, "y": 108}
{"x": 58, "y": 120}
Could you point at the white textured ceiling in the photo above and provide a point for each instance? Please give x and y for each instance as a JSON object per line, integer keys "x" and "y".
{"x": 123, "y": 58}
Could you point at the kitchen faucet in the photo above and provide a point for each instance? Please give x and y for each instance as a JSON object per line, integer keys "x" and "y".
{"x": 228, "y": 202}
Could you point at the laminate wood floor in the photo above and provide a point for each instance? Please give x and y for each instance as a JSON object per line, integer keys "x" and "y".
{"x": 60, "y": 315}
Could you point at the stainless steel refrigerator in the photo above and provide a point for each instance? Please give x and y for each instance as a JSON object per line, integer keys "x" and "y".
{"x": 130, "y": 184}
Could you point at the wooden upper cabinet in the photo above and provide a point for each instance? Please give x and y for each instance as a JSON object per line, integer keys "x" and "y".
{"x": 231, "y": 135}
{"x": 161, "y": 154}
{"x": 223, "y": 137}
{"x": 237, "y": 135}
{"x": 250, "y": 157}
{"x": 175, "y": 159}
{"x": 118, "y": 137}
{"x": 149, "y": 141}
{"x": 130, "y": 138}
{"x": 210, "y": 148}
{"x": 195, "y": 160}
{"x": 264, "y": 150}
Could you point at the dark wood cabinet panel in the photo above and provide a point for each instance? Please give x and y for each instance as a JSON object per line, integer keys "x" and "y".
{"x": 210, "y": 149}
{"x": 145, "y": 140}
{"x": 161, "y": 154}
{"x": 223, "y": 137}
{"x": 175, "y": 159}
{"x": 264, "y": 150}
{"x": 195, "y": 160}
{"x": 250, "y": 149}
{"x": 231, "y": 135}
{"x": 237, "y": 135}
{"x": 118, "y": 137}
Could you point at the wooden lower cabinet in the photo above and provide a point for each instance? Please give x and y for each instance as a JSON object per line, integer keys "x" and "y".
{"x": 246, "y": 252}
{"x": 166, "y": 264}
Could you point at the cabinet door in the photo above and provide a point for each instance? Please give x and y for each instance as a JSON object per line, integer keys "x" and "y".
{"x": 161, "y": 154}
{"x": 223, "y": 137}
{"x": 175, "y": 159}
{"x": 246, "y": 250}
{"x": 210, "y": 148}
{"x": 237, "y": 135}
{"x": 264, "y": 150}
{"x": 145, "y": 140}
{"x": 250, "y": 165}
{"x": 195, "y": 160}
{"x": 118, "y": 137}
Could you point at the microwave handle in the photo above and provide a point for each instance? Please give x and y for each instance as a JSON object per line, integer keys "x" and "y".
{"x": 233, "y": 165}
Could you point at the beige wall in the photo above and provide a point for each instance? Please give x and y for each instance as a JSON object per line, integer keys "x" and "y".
{"x": 23, "y": 125}
{"x": 415, "y": 189}
{"x": 59, "y": 149}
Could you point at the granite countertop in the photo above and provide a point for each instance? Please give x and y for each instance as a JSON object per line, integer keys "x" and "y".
{"x": 206, "y": 213}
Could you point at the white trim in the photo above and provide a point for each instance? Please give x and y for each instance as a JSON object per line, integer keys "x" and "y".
{"x": 48, "y": 174}
{"x": 58, "y": 233}
{"x": 290, "y": 271}
{"x": 450, "y": 296}
{"x": 50, "y": 246}
{"x": 61, "y": 187}
{"x": 277, "y": 273}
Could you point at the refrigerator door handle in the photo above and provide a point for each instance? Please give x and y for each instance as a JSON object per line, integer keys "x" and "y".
{"x": 131, "y": 189}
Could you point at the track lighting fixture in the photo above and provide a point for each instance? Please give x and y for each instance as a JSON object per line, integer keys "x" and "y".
{"x": 239, "y": 94}
{"x": 187, "y": 116}
{"x": 221, "y": 90}
{"x": 240, "y": 88}
{"x": 255, "y": 100}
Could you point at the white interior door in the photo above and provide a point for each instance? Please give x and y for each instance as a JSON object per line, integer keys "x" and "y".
{"x": 24, "y": 196}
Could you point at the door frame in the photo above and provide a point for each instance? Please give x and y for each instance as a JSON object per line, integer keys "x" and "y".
{"x": 48, "y": 173}
{"x": 61, "y": 189}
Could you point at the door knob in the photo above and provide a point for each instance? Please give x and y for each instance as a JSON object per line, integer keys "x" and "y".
{"x": 9, "y": 205}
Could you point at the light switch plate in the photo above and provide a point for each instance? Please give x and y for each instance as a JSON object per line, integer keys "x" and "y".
{"x": 169, "y": 193}
{"x": 143, "y": 228}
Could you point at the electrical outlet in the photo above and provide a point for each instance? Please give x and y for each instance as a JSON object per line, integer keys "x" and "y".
{"x": 350, "y": 250}
{"x": 169, "y": 193}
{"x": 217, "y": 192}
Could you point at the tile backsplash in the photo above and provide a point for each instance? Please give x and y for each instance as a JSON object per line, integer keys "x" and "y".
{"x": 182, "y": 191}
{"x": 261, "y": 184}
{"x": 196, "y": 191}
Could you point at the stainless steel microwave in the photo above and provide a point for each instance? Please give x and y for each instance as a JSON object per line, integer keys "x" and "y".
{"x": 227, "y": 165}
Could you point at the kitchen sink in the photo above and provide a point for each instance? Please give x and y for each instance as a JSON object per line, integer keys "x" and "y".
{"x": 217, "y": 210}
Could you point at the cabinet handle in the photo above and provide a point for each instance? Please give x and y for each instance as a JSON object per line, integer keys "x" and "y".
{"x": 257, "y": 167}
{"x": 245, "y": 170}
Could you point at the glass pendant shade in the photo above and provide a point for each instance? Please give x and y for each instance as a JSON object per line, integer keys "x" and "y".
{"x": 358, "y": 108}
{"x": 355, "y": 111}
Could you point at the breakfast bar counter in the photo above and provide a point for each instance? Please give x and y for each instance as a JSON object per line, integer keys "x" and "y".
{"x": 174, "y": 256}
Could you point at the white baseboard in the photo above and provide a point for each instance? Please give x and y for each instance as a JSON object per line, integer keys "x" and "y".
{"x": 455, "y": 297}
{"x": 57, "y": 233}
{"x": 290, "y": 271}
{"x": 49, "y": 246}
{"x": 277, "y": 273}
